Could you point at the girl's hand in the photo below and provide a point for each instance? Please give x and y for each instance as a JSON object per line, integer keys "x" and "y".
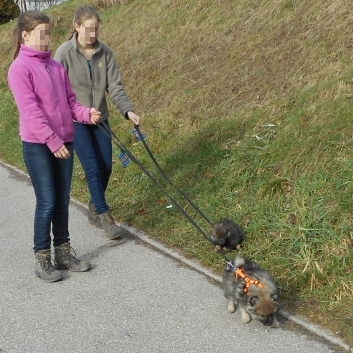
{"x": 62, "y": 153}
{"x": 133, "y": 117}
{"x": 95, "y": 116}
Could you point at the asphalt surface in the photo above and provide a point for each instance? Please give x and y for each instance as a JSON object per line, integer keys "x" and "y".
{"x": 136, "y": 299}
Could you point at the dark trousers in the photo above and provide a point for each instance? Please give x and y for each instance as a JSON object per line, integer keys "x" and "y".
{"x": 94, "y": 150}
{"x": 51, "y": 180}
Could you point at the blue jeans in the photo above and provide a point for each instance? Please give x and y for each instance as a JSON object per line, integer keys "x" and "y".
{"x": 94, "y": 150}
{"x": 51, "y": 180}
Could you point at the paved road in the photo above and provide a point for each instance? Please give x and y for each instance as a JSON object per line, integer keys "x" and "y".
{"x": 134, "y": 300}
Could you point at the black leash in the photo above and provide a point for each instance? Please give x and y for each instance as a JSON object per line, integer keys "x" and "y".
{"x": 108, "y": 132}
{"x": 167, "y": 178}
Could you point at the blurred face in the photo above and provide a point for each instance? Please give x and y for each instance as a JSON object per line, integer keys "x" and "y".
{"x": 88, "y": 31}
{"x": 38, "y": 38}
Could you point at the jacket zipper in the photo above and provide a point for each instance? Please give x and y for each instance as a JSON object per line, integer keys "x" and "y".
{"x": 92, "y": 80}
{"x": 90, "y": 75}
{"x": 56, "y": 100}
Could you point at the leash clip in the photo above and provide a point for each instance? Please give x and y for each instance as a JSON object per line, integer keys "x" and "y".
{"x": 230, "y": 266}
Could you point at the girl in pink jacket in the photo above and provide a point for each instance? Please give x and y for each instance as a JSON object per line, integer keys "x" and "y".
{"x": 47, "y": 107}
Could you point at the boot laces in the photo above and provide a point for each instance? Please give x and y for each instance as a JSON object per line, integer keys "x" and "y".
{"x": 111, "y": 219}
{"x": 45, "y": 262}
{"x": 69, "y": 253}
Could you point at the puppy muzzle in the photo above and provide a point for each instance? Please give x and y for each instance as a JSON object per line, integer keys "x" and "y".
{"x": 219, "y": 241}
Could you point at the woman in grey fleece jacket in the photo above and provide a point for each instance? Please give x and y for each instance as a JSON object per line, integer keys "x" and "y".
{"x": 92, "y": 72}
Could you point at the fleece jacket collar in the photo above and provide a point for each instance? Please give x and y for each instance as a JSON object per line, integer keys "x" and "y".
{"x": 43, "y": 56}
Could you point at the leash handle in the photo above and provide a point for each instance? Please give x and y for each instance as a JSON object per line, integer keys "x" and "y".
{"x": 137, "y": 128}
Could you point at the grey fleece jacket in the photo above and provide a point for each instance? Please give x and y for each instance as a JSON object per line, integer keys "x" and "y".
{"x": 105, "y": 77}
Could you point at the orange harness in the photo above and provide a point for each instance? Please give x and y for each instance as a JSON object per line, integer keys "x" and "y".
{"x": 240, "y": 273}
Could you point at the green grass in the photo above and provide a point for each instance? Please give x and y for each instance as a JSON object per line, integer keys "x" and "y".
{"x": 247, "y": 106}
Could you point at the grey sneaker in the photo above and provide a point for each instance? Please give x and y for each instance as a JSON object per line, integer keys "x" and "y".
{"x": 65, "y": 259}
{"x": 93, "y": 217}
{"x": 111, "y": 230}
{"x": 44, "y": 267}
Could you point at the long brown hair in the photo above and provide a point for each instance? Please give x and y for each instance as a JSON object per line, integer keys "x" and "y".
{"x": 27, "y": 21}
{"x": 82, "y": 14}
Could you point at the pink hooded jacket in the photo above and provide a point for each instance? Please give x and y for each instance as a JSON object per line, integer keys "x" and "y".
{"x": 44, "y": 98}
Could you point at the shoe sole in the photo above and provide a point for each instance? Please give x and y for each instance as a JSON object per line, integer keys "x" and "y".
{"x": 116, "y": 242}
{"x": 66, "y": 267}
{"x": 59, "y": 278}
{"x": 123, "y": 234}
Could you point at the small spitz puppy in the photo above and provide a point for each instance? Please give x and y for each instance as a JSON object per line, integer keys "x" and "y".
{"x": 226, "y": 235}
{"x": 253, "y": 290}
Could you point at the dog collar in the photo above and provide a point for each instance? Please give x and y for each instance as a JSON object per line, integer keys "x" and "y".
{"x": 239, "y": 272}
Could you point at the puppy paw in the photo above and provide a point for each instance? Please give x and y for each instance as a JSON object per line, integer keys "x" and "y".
{"x": 218, "y": 247}
{"x": 275, "y": 323}
{"x": 231, "y": 307}
{"x": 245, "y": 317}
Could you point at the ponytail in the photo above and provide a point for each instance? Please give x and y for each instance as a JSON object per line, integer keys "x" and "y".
{"x": 17, "y": 36}
{"x": 73, "y": 31}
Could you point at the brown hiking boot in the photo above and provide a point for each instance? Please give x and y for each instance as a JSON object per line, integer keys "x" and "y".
{"x": 111, "y": 230}
{"x": 65, "y": 259}
{"x": 93, "y": 217}
{"x": 44, "y": 267}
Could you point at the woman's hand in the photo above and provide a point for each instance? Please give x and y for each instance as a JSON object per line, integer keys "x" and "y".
{"x": 95, "y": 116}
{"x": 133, "y": 117}
{"x": 62, "y": 153}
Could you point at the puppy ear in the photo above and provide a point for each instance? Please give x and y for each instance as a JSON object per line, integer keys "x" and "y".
{"x": 253, "y": 300}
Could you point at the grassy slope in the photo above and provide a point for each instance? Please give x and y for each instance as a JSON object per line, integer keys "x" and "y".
{"x": 247, "y": 106}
